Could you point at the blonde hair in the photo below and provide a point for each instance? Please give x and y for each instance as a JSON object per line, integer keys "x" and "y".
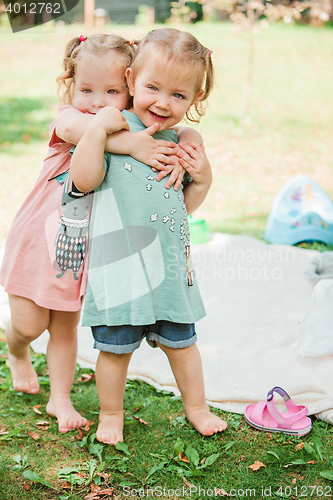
{"x": 183, "y": 48}
{"x": 95, "y": 45}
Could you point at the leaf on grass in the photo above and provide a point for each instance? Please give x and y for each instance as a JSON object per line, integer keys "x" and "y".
{"x": 137, "y": 408}
{"x": 297, "y": 476}
{"x": 318, "y": 446}
{"x": 34, "y": 435}
{"x": 95, "y": 489}
{"x": 257, "y": 465}
{"x": 80, "y": 436}
{"x": 3, "y": 432}
{"x": 65, "y": 471}
{"x": 103, "y": 475}
{"x": 160, "y": 466}
{"x": 179, "y": 446}
{"x": 193, "y": 472}
{"x": 210, "y": 460}
{"x": 183, "y": 458}
{"x": 88, "y": 425}
{"x": 92, "y": 496}
{"x": 309, "y": 447}
{"x": 26, "y": 486}
{"x": 97, "y": 450}
{"x": 229, "y": 445}
{"x": 120, "y": 446}
{"x": 12, "y": 433}
{"x": 66, "y": 485}
{"x": 273, "y": 454}
{"x": 141, "y": 421}
{"x": 108, "y": 492}
{"x": 43, "y": 425}
{"x": 311, "y": 462}
{"x": 36, "y": 478}
{"x": 86, "y": 377}
{"x": 295, "y": 462}
{"x": 125, "y": 483}
{"x": 187, "y": 482}
{"x": 221, "y": 493}
{"x": 192, "y": 455}
{"x": 36, "y": 410}
{"x": 43, "y": 422}
{"x": 327, "y": 474}
{"x": 299, "y": 446}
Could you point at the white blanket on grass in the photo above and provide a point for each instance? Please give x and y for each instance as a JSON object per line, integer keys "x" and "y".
{"x": 255, "y": 296}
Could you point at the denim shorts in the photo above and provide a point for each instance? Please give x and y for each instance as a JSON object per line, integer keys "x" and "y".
{"x": 127, "y": 338}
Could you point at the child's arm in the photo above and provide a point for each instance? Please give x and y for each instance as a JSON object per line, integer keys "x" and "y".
{"x": 72, "y": 126}
{"x": 193, "y": 158}
{"x": 87, "y": 163}
{"x": 187, "y": 134}
{"x": 141, "y": 146}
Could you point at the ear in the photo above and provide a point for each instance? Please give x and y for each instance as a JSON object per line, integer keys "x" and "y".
{"x": 130, "y": 82}
{"x": 198, "y": 96}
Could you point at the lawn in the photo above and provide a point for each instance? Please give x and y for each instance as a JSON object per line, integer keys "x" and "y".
{"x": 289, "y": 132}
{"x": 289, "y": 129}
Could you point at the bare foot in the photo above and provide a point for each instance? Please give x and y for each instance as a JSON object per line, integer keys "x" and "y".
{"x": 206, "y": 422}
{"x": 110, "y": 428}
{"x": 23, "y": 375}
{"x": 68, "y": 418}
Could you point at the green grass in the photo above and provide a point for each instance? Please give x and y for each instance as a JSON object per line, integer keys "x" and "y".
{"x": 289, "y": 132}
{"x": 53, "y": 465}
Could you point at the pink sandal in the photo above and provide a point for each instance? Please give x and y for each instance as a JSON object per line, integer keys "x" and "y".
{"x": 264, "y": 415}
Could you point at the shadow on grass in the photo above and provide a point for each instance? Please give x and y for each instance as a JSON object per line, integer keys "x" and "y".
{"x": 23, "y": 120}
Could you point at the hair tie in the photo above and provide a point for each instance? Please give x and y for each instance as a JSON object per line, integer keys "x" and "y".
{"x": 82, "y": 38}
{"x": 210, "y": 52}
{"x": 131, "y": 42}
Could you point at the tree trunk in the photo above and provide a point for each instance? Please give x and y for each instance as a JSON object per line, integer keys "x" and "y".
{"x": 250, "y": 66}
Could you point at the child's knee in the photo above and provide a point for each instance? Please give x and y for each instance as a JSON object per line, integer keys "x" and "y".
{"x": 115, "y": 357}
{"x": 172, "y": 351}
{"x": 21, "y": 330}
{"x": 64, "y": 323}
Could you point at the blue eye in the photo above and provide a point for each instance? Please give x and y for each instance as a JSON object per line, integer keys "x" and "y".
{"x": 152, "y": 87}
{"x": 86, "y": 91}
{"x": 179, "y": 96}
{"x": 112, "y": 91}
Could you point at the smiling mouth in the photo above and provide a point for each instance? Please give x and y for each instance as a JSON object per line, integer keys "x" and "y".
{"x": 158, "y": 117}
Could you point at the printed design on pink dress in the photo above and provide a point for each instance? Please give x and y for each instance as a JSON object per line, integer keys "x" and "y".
{"x": 71, "y": 240}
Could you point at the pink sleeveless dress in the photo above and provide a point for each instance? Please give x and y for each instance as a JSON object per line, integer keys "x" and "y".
{"x": 46, "y": 248}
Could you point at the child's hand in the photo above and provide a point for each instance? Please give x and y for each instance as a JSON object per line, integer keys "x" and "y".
{"x": 155, "y": 153}
{"x": 193, "y": 159}
{"x": 176, "y": 175}
{"x": 110, "y": 120}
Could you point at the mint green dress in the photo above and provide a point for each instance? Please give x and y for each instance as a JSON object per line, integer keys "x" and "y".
{"x": 139, "y": 249}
